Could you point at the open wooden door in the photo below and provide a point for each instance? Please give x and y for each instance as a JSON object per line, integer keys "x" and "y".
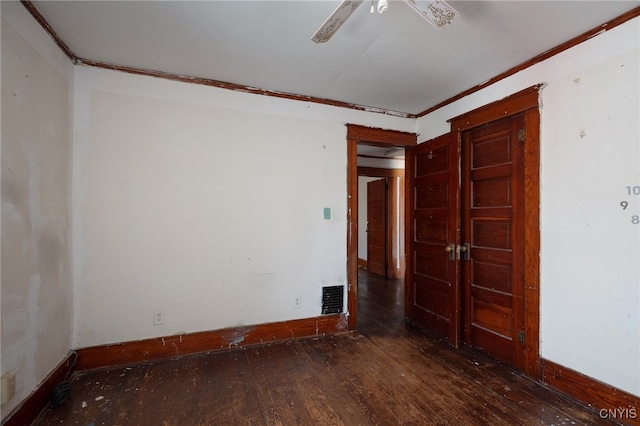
{"x": 377, "y": 227}
{"x": 432, "y": 298}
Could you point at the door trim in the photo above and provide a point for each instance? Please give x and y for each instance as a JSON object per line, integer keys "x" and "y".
{"x": 357, "y": 133}
{"x": 526, "y": 101}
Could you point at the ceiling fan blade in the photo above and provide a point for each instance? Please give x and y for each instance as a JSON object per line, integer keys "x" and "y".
{"x": 437, "y": 12}
{"x": 335, "y": 21}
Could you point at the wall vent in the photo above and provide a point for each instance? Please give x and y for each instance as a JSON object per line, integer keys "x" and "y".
{"x": 332, "y": 299}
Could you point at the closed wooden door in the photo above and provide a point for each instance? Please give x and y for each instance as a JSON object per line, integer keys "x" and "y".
{"x": 432, "y": 298}
{"x": 466, "y": 249}
{"x": 492, "y": 229}
{"x": 377, "y": 226}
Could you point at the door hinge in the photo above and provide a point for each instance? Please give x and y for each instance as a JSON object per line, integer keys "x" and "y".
{"x": 521, "y": 135}
{"x": 521, "y": 337}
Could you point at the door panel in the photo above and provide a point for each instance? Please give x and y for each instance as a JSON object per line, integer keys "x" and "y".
{"x": 377, "y": 227}
{"x": 492, "y": 184}
{"x": 432, "y": 299}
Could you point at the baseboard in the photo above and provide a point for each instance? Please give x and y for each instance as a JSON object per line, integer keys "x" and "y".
{"x": 362, "y": 263}
{"x": 33, "y": 405}
{"x": 170, "y": 347}
{"x": 609, "y": 402}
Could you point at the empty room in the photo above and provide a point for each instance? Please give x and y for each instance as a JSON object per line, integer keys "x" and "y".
{"x": 320, "y": 212}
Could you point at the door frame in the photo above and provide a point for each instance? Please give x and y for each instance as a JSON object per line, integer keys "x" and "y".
{"x": 373, "y": 136}
{"x": 527, "y": 102}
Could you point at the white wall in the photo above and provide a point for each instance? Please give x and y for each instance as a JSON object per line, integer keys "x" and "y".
{"x": 590, "y": 254}
{"x": 36, "y": 164}
{"x": 205, "y": 203}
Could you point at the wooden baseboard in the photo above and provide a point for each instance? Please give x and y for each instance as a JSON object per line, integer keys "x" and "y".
{"x": 33, "y": 405}
{"x": 169, "y": 347}
{"x": 362, "y": 263}
{"x": 609, "y": 402}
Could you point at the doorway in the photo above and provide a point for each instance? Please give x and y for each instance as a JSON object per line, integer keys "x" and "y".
{"x": 370, "y": 136}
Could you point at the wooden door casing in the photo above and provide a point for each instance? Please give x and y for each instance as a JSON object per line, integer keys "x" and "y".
{"x": 492, "y": 225}
{"x": 360, "y": 134}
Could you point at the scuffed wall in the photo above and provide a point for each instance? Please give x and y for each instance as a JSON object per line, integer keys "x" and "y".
{"x": 203, "y": 202}
{"x": 36, "y": 242}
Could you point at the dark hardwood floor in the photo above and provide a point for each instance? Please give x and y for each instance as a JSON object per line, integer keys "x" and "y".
{"x": 385, "y": 374}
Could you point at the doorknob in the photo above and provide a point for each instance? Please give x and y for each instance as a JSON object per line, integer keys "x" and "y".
{"x": 465, "y": 251}
{"x": 450, "y": 248}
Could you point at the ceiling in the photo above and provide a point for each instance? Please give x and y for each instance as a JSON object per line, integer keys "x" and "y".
{"x": 396, "y": 61}
{"x": 374, "y": 151}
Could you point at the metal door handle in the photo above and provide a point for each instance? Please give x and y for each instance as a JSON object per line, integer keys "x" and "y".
{"x": 450, "y": 248}
{"x": 465, "y": 251}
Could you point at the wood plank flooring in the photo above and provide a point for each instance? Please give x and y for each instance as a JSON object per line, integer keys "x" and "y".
{"x": 384, "y": 374}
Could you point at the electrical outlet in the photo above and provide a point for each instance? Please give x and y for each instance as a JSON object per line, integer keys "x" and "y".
{"x": 297, "y": 301}
{"x": 8, "y": 388}
{"x": 158, "y": 316}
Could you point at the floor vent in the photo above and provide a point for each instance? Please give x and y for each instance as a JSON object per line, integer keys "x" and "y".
{"x": 332, "y": 299}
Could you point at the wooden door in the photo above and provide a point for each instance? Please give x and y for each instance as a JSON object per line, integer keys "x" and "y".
{"x": 492, "y": 226}
{"x": 432, "y": 298}
{"x": 377, "y": 227}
